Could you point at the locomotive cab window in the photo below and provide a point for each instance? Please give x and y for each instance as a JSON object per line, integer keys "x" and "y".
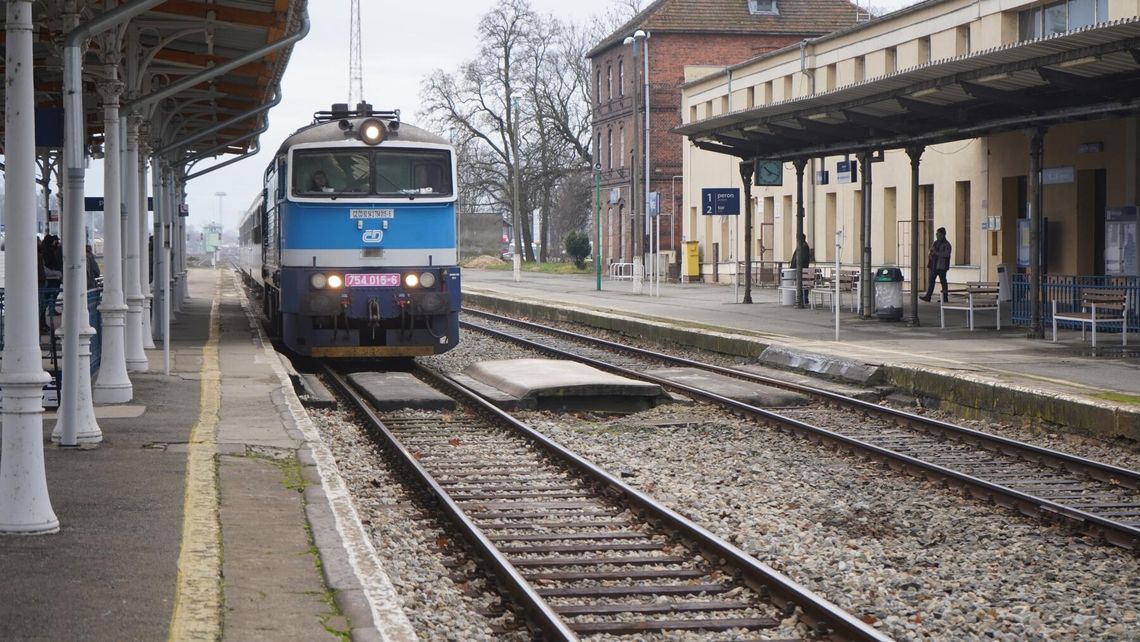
{"x": 413, "y": 172}
{"x": 331, "y": 172}
{"x": 380, "y": 172}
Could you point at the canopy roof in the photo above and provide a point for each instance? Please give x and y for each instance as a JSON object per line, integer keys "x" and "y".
{"x": 176, "y": 40}
{"x": 1086, "y": 74}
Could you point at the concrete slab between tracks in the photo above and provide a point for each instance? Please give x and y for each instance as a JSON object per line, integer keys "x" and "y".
{"x": 1000, "y": 375}
{"x": 389, "y": 391}
{"x": 548, "y": 384}
{"x": 747, "y": 392}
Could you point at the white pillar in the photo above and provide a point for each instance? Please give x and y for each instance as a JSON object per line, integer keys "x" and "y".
{"x": 144, "y": 255}
{"x": 87, "y": 427}
{"x": 113, "y": 385}
{"x": 134, "y": 347}
{"x": 25, "y": 507}
{"x": 71, "y": 418}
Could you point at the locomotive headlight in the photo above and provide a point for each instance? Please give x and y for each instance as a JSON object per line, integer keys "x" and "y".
{"x": 318, "y": 281}
{"x": 372, "y": 131}
{"x": 411, "y": 280}
{"x": 427, "y": 279}
{"x": 335, "y": 281}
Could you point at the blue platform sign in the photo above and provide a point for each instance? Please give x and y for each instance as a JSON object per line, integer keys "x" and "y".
{"x": 720, "y": 201}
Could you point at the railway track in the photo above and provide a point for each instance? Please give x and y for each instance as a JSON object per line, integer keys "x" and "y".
{"x": 1039, "y": 482}
{"x": 580, "y": 551}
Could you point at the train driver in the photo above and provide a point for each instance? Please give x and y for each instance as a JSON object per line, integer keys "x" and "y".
{"x": 320, "y": 182}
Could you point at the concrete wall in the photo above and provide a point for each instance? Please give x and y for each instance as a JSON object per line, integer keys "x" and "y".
{"x": 480, "y": 234}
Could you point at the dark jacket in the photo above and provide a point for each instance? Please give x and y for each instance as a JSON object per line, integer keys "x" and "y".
{"x": 801, "y": 258}
{"x": 940, "y": 252}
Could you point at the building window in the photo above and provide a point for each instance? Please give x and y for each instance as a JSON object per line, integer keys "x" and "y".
{"x": 1060, "y": 17}
{"x": 763, "y": 8}
{"x": 610, "y": 148}
{"x": 924, "y": 50}
{"x": 621, "y": 145}
{"x": 891, "y": 64}
{"x": 598, "y": 86}
{"x": 860, "y": 71}
{"x": 621, "y": 77}
{"x": 610, "y": 81}
{"x": 962, "y": 41}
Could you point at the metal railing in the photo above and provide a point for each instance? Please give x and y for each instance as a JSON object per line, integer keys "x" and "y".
{"x": 1067, "y": 290}
{"x": 50, "y": 314}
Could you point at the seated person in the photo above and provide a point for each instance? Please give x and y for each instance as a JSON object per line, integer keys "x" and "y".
{"x": 320, "y": 182}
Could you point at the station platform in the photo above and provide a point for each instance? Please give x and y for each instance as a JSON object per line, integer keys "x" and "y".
{"x": 984, "y": 372}
{"x": 209, "y": 511}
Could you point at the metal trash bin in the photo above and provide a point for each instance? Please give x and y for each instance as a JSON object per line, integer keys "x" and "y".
{"x": 788, "y": 286}
{"x": 888, "y": 294}
{"x": 1004, "y": 288}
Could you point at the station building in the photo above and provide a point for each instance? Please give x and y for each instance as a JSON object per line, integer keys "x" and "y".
{"x": 1001, "y": 104}
{"x": 637, "y": 72}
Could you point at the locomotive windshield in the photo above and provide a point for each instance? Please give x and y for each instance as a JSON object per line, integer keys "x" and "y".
{"x": 387, "y": 172}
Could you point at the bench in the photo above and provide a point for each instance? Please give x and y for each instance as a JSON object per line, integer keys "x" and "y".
{"x": 1098, "y": 307}
{"x": 978, "y": 296}
{"x": 848, "y": 286}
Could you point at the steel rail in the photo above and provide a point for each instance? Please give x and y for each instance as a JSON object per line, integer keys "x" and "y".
{"x": 542, "y": 616}
{"x": 1115, "y": 532}
{"x": 824, "y": 616}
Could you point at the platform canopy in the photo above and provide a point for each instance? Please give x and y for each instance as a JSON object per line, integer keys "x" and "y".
{"x": 1087, "y": 74}
{"x": 166, "y": 45}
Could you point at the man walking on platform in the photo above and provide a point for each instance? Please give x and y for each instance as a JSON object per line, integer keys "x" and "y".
{"x": 938, "y": 262}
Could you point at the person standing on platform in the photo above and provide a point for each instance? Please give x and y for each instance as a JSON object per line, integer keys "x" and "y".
{"x": 938, "y": 262}
{"x": 801, "y": 258}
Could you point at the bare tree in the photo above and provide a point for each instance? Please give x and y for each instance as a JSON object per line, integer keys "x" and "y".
{"x": 482, "y": 103}
{"x": 524, "y": 102}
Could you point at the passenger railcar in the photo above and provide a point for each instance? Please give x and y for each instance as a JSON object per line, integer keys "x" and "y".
{"x": 357, "y": 233}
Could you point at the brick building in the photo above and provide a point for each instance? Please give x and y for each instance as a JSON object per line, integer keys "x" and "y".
{"x": 675, "y": 34}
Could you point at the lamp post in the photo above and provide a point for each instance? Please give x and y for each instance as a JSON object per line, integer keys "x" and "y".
{"x": 637, "y": 230}
{"x": 598, "y": 226}
{"x": 512, "y": 120}
{"x": 218, "y": 245}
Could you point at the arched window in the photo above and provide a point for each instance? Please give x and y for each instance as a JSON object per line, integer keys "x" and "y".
{"x": 610, "y": 148}
{"x": 610, "y": 82}
{"x": 598, "y": 87}
{"x": 621, "y": 145}
{"x": 621, "y": 77}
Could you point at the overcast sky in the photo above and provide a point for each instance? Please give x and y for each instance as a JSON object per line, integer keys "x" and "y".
{"x": 408, "y": 42}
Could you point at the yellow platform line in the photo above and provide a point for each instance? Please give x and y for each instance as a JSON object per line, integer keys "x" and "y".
{"x": 198, "y": 599}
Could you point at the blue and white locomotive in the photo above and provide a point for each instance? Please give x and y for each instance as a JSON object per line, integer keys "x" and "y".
{"x": 355, "y": 233}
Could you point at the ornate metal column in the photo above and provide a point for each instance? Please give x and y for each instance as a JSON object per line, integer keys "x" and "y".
{"x": 800, "y": 164}
{"x": 112, "y": 384}
{"x": 143, "y": 234}
{"x": 866, "y": 291}
{"x": 915, "y": 153}
{"x": 134, "y": 347}
{"x": 25, "y": 506}
{"x": 746, "y": 169}
{"x": 1036, "y": 163}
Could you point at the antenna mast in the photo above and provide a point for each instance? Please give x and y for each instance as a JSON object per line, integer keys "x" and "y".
{"x": 355, "y": 67}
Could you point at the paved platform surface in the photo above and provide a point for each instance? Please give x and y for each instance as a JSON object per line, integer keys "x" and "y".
{"x": 203, "y": 512}
{"x": 1014, "y": 370}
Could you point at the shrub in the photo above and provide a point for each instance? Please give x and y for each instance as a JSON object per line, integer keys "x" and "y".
{"x": 578, "y": 247}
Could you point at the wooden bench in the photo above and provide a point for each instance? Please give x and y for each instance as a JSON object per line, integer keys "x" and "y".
{"x": 978, "y": 296}
{"x": 848, "y": 286}
{"x": 1098, "y": 307}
